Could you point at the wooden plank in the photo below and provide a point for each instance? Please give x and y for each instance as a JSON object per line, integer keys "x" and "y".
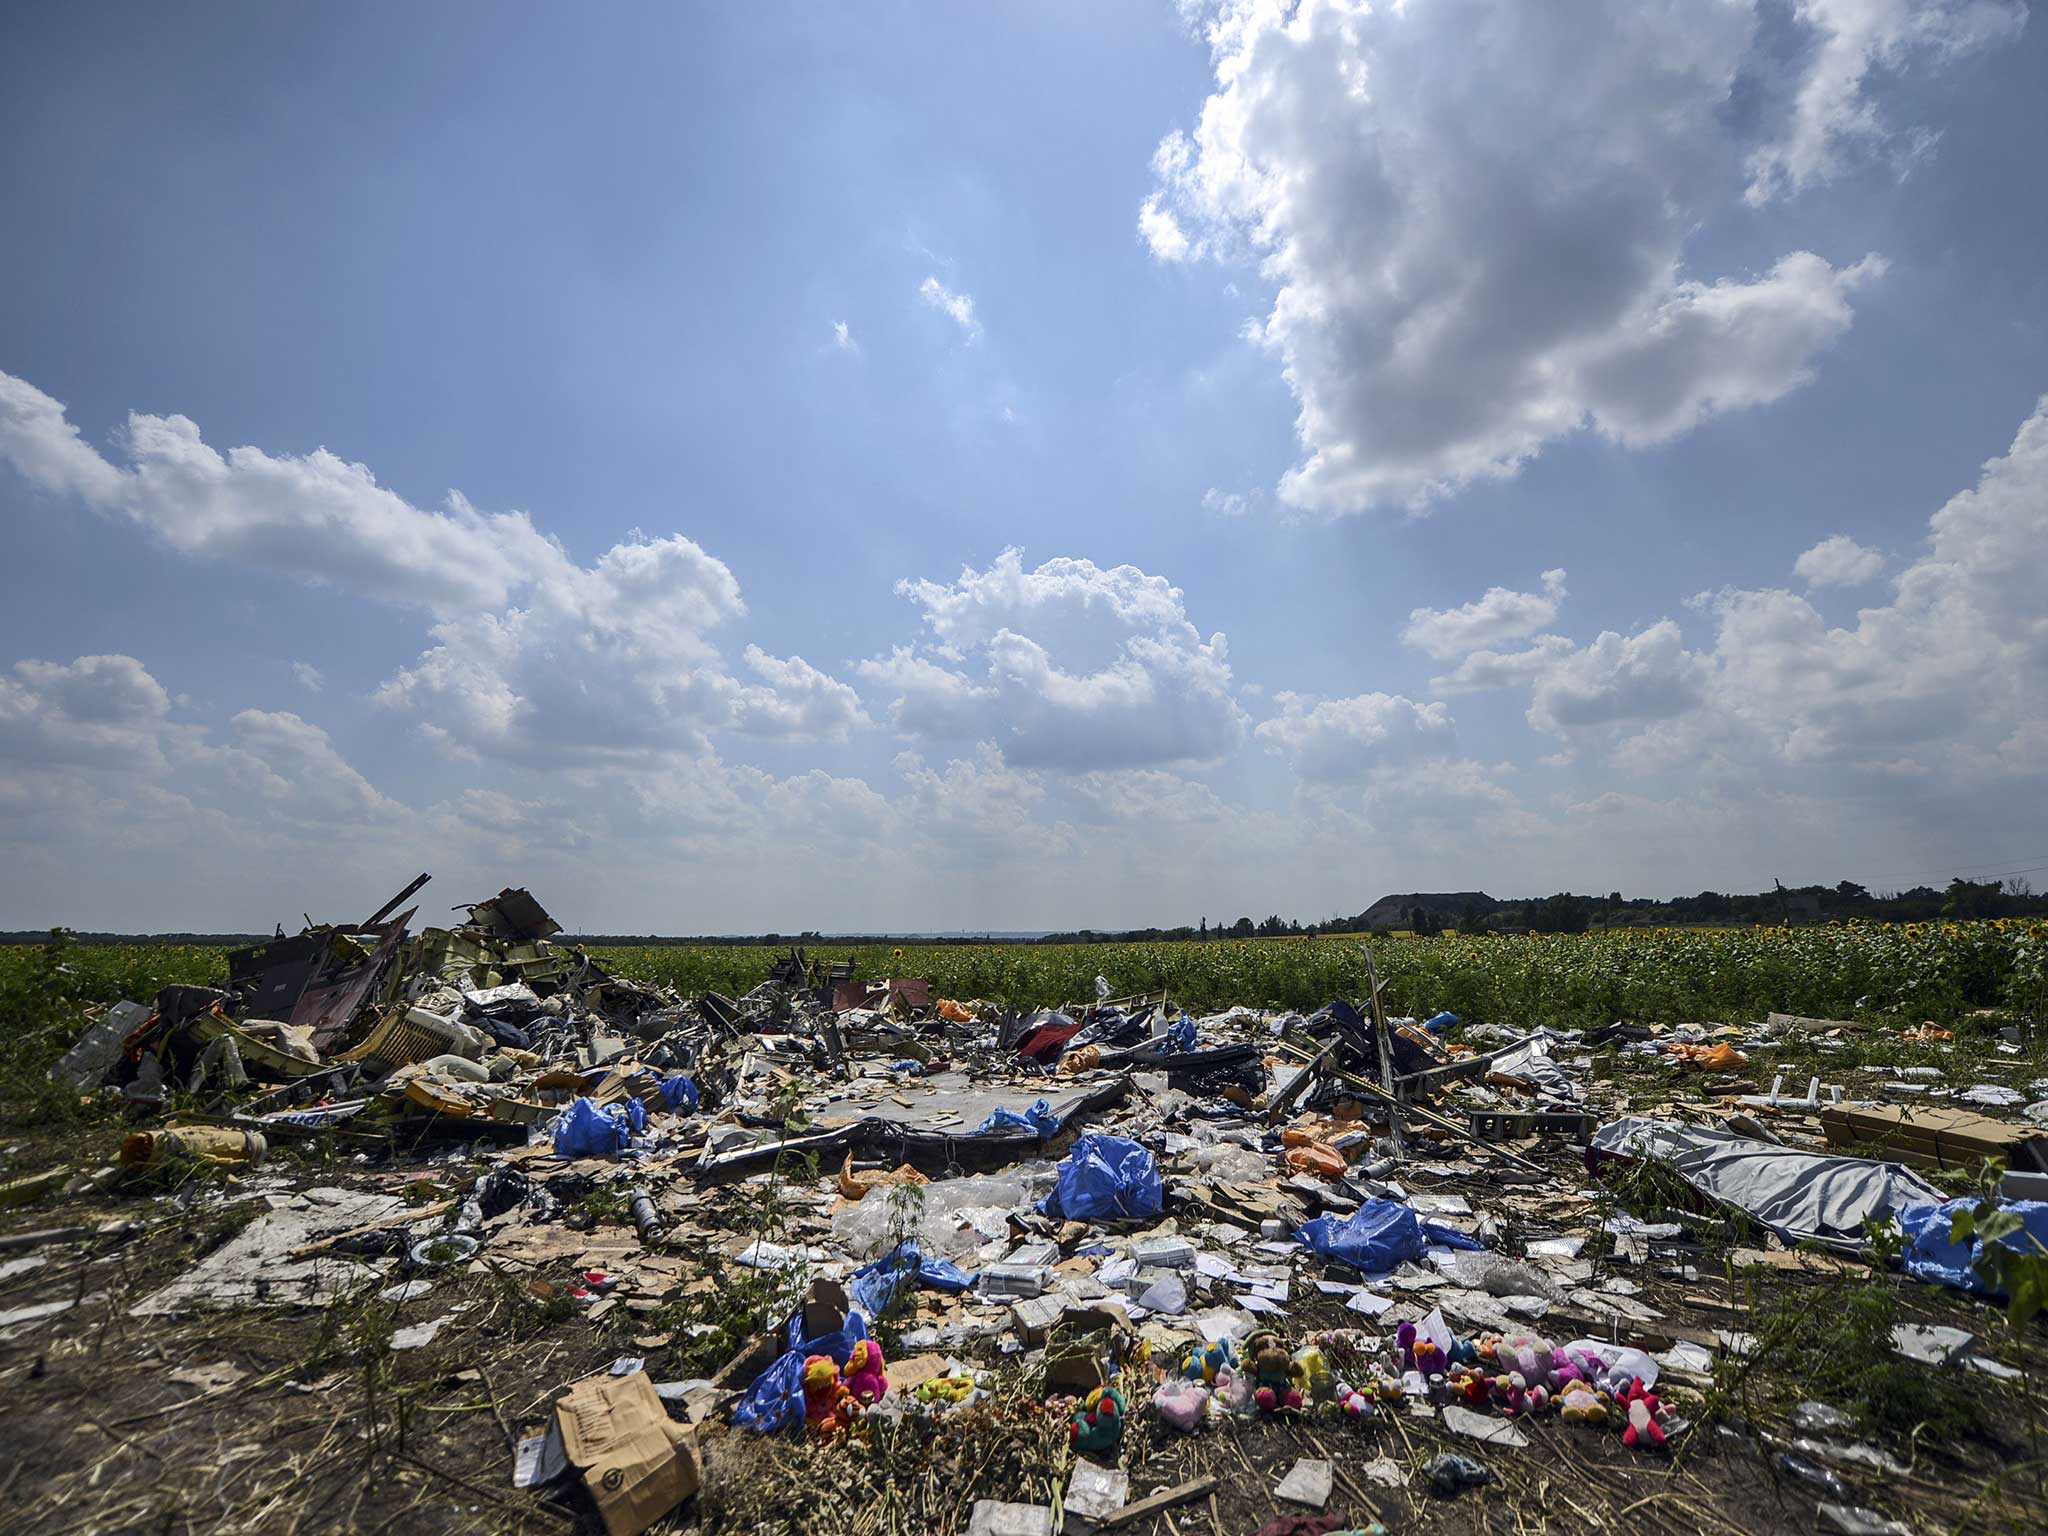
{"x": 1166, "y": 1498}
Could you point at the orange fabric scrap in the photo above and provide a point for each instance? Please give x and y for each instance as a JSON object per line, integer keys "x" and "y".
{"x": 1719, "y": 1057}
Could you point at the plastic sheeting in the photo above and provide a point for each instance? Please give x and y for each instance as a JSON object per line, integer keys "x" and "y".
{"x": 681, "y": 1094}
{"x": 1105, "y": 1178}
{"x": 1378, "y": 1236}
{"x": 1039, "y": 1120}
{"x": 874, "y": 1286}
{"x": 586, "y": 1130}
{"x": 775, "y": 1401}
{"x": 1801, "y": 1196}
{"x": 1933, "y": 1257}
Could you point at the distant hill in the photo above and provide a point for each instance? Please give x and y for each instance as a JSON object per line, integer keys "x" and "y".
{"x": 1447, "y": 907}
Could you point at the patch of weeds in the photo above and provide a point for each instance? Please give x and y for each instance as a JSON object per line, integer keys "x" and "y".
{"x": 606, "y": 1205}
{"x": 1832, "y": 1342}
{"x": 714, "y": 1324}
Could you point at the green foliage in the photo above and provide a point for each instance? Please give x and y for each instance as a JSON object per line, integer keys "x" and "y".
{"x": 1935, "y": 970}
{"x": 1833, "y": 1343}
{"x": 2018, "y": 1269}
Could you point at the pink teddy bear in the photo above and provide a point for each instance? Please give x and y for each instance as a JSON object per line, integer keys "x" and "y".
{"x": 864, "y": 1376}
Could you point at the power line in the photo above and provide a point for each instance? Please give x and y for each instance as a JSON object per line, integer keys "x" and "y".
{"x": 1999, "y": 875}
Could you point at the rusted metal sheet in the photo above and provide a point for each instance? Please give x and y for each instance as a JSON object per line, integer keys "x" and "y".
{"x": 328, "y": 1009}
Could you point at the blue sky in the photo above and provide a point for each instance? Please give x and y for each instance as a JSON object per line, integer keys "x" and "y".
{"x": 950, "y": 467}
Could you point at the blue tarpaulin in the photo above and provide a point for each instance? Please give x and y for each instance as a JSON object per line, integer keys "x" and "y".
{"x": 776, "y": 1399}
{"x": 1038, "y": 1119}
{"x": 1180, "y": 1034}
{"x": 585, "y": 1130}
{"x": 680, "y": 1092}
{"x": 1377, "y": 1236}
{"x": 1105, "y": 1177}
{"x": 1933, "y": 1257}
{"x": 875, "y": 1285}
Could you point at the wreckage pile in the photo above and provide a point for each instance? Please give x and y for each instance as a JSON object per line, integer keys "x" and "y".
{"x": 1143, "y": 1224}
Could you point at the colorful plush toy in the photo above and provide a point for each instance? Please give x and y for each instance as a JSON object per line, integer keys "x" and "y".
{"x": 1474, "y": 1386}
{"x": 946, "y": 1389}
{"x": 1098, "y": 1423}
{"x": 864, "y": 1376}
{"x": 1354, "y": 1404}
{"x": 828, "y": 1406}
{"x": 1529, "y": 1353}
{"x": 1430, "y": 1359}
{"x": 1404, "y": 1340}
{"x": 1643, "y": 1413}
{"x": 1486, "y": 1346}
{"x": 1578, "y": 1403}
{"x": 1233, "y": 1390}
{"x": 1201, "y": 1362}
{"x": 1181, "y": 1403}
{"x": 1312, "y": 1374}
{"x": 1272, "y": 1371}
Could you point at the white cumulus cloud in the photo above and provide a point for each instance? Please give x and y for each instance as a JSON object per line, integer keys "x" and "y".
{"x": 1475, "y": 215}
{"x": 533, "y": 657}
{"x": 1499, "y": 615}
{"x": 1838, "y": 562}
{"x": 1340, "y": 740}
{"x": 1066, "y": 666}
{"x": 956, "y": 307}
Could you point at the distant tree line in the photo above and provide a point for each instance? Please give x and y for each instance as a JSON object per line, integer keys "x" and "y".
{"x": 1422, "y": 914}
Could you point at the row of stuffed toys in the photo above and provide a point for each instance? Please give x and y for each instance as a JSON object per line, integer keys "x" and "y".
{"x": 1520, "y": 1373}
{"x": 835, "y": 1396}
{"x": 1517, "y": 1374}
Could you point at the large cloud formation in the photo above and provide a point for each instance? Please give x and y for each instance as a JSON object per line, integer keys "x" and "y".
{"x": 535, "y": 657}
{"x": 1475, "y": 214}
{"x": 1066, "y": 666}
{"x": 1949, "y": 676}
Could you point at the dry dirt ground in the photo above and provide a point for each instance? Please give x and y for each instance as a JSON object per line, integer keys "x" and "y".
{"x": 277, "y": 1420}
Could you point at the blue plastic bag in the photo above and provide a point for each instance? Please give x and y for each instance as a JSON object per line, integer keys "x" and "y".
{"x": 1440, "y": 1023}
{"x": 1038, "y": 1119}
{"x": 1180, "y": 1034}
{"x": 776, "y": 1399}
{"x": 585, "y": 1130}
{"x": 874, "y": 1285}
{"x": 1105, "y": 1177}
{"x": 681, "y": 1093}
{"x": 1378, "y": 1236}
{"x": 1933, "y": 1257}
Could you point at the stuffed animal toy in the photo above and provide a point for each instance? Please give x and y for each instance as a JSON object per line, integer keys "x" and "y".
{"x": 1643, "y": 1411}
{"x": 1578, "y": 1403}
{"x": 828, "y": 1406}
{"x": 1233, "y": 1390}
{"x": 1385, "y": 1389}
{"x": 1475, "y": 1386}
{"x": 1272, "y": 1371}
{"x": 1487, "y": 1347}
{"x": 1312, "y": 1374}
{"x": 1404, "y": 1340}
{"x": 1201, "y": 1362}
{"x": 1181, "y": 1403}
{"x": 946, "y": 1389}
{"x": 1099, "y": 1422}
{"x": 1539, "y": 1398}
{"x": 1353, "y": 1404}
{"x": 1527, "y": 1353}
{"x": 864, "y": 1376}
{"x": 1517, "y": 1396}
